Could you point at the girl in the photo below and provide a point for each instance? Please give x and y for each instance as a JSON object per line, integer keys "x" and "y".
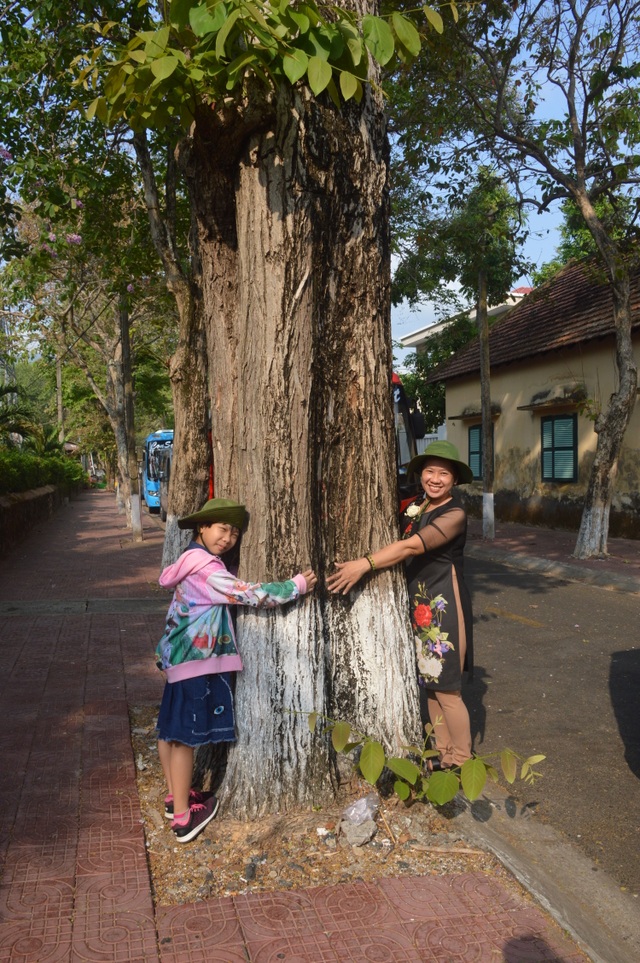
{"x": 198, "y": 653}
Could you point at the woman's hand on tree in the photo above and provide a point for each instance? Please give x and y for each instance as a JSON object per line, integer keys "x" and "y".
{"x": 347, "y": 575}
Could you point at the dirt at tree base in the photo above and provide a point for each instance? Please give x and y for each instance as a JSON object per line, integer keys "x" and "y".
{"x": 292, "y": 850}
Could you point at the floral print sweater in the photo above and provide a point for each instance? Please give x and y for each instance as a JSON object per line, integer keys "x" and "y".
{"x": 199, "y": 637}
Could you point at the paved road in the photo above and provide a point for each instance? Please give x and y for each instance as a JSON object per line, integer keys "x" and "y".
{"x": 558, "y": 672}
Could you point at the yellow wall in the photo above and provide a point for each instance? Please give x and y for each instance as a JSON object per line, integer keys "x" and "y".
{"x": 517, "y": 433}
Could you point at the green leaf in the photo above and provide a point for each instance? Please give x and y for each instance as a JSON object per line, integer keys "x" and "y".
{"x": 454, "y": 12}
{"x": 316, "y": 43}
{"x": 164, "y": 67}
{"x": 526, "y": 772}
{"x": 404, "y": 768}
{"x": 138, "y": 55}
{"x": 300, "y": 19}
{"x": 106, "y": 27}
{"x": 313, "y": 718}
{"x": 236, "y": 68}
{"x": 473, "y": 777}
{"x": 114, "y": 83}
{"x": 534, "y": 760}
{"x": 224, "y": 32}
{"x": 509, "y": 763}
{"x": 256, "y": 15}
{"x": 202, "y": 22}
{"x": 353, "y": 41}
{"x": 348, "y": 85}
{"x": 295, "y": 65}
{"x": 493, "y": 773}
{"x": 340, "y": 735}
{"x": 401, "y": 790}
{"x": 92, "y": 108}
{"x": 406, "y": 33}
{"x": 157, "y": 42}
{"x": 434, "y": 19}
{"x": 352, "y": 745}
{"x": 378, "y": 38}
{"x": 332, "y": 90}
{"x": 180, "y": 11}
{"x": 371, "y": 762}
{"x": 442, "y": 788}
{"x": 319, "y": 73}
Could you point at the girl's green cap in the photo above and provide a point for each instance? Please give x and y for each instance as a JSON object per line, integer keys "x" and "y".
{"x": 216, "y": 510}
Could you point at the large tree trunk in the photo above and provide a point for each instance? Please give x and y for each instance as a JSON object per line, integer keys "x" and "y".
{"x": 611, "y": 425}
{"x": 488, "y": 517}
{"x": 300, "y": 369}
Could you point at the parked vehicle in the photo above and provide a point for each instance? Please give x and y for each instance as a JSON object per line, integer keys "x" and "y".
{"x": 154, "y": 445}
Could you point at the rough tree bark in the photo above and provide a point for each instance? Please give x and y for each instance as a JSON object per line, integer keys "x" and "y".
{"x": 488, "y": 518}
{"x": 293, "y": 222}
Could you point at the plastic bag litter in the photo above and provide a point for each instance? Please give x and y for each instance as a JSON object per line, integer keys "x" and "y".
{"x": 362, "y": 809}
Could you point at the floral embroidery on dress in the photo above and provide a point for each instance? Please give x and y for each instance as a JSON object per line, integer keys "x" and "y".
{"x": 430, "y": 641}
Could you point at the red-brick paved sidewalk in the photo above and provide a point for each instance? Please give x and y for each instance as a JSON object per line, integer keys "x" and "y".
{"x": 75, "y": 884}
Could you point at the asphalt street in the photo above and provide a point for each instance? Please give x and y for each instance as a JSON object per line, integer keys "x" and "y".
{"x": 558, "y": 672}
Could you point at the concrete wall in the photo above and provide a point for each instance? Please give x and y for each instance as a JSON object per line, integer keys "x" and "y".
{"x": 19, "y": 513}
{"x": 520, "y": 493}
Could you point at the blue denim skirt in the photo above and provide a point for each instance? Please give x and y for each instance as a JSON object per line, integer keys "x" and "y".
{"x": 198, "y": 711}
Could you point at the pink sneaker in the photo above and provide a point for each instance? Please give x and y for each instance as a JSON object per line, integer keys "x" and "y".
{"x": 195, "y": 796}
{"x": 199, "y": 815}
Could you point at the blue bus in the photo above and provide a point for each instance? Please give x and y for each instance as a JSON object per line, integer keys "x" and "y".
{"x": 155, "y": 445}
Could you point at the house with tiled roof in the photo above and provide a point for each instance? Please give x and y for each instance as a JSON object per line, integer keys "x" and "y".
{"x": 552, "y": 368}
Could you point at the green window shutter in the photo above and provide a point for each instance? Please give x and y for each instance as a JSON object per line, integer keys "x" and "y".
{"x": 475, "y": 450}
{"x": 559, "y": 448}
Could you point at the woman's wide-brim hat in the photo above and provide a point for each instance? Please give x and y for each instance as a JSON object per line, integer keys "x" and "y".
{"x": 442, "y": 449}
{"x": 216, "y": 510}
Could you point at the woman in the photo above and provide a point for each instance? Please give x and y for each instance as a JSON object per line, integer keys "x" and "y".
{"x": 434, "y": 529}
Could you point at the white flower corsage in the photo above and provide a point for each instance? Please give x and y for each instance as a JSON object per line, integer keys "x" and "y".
{"x": 413, "y": 510}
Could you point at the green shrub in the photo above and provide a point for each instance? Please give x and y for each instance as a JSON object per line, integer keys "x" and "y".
{"x": 21, "y": 472}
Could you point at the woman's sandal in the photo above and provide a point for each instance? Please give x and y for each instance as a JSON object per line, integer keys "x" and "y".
{"x": 434, "y": 765}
